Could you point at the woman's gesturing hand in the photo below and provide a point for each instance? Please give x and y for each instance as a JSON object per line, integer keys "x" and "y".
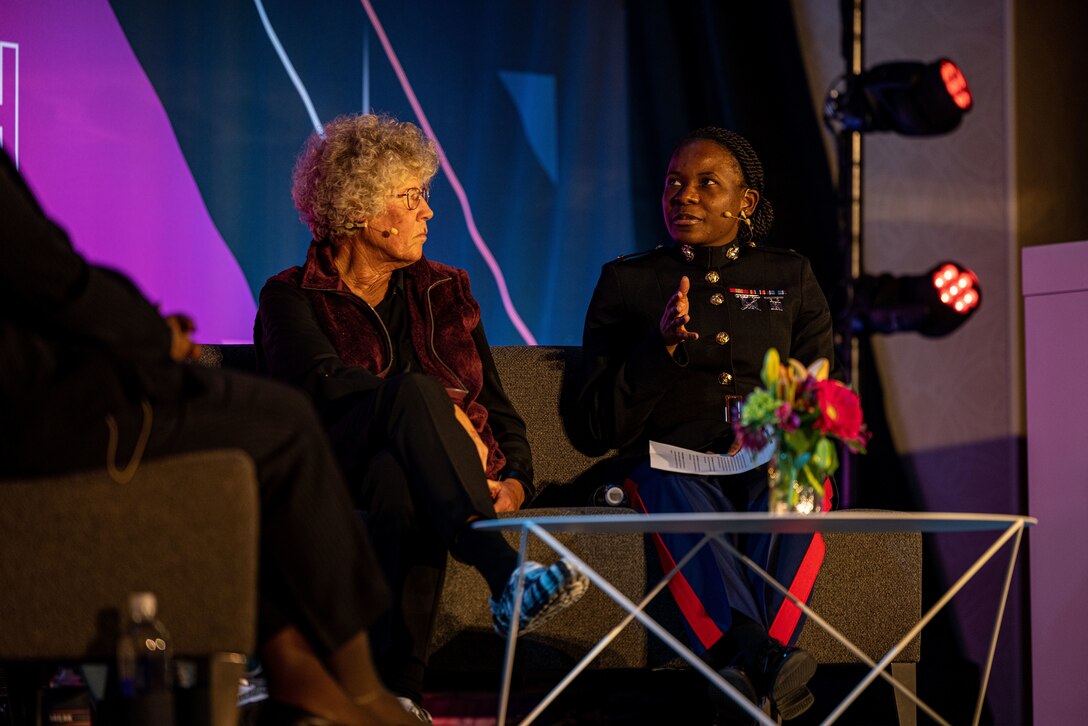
{"x": 676, "y": 317}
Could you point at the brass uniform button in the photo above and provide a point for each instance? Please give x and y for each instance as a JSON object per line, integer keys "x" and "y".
{"x": 725, "y": 378}
{"x": 722, "y": 338}
{"x": 712, "y": 276}
{"x": 717, "y": 299}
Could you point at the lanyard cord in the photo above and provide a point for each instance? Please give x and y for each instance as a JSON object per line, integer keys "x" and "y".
{"x": 124, "y": 476}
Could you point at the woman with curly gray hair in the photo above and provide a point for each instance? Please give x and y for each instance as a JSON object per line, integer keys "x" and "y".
{"x": 391, "y": 348}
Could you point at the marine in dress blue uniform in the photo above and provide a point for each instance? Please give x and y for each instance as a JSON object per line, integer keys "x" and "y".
{"x": 674, "y": 339}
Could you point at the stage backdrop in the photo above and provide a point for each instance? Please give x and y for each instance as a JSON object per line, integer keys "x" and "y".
{"x": 163, "y": 136}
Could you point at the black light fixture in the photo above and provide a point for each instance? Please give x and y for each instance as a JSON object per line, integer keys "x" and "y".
{"x": 908, "y": 97}
{"x": 933, "y": 304}
{"x": 912, "y": 98}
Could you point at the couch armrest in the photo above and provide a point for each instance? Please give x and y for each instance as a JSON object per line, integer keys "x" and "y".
{"x": 870, "y": 588}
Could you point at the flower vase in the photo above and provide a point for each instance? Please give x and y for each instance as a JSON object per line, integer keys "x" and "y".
{"x": 790, "y": 491}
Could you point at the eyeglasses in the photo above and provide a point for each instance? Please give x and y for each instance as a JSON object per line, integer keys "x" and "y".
{"x": 413, "y": 195}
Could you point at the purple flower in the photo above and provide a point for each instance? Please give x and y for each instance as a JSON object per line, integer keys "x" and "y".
{"x": 788, "y": 419}
{"x": 808, "y": 385}
{"x": 752, "y": 439}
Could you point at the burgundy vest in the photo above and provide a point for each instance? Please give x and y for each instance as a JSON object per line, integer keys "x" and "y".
{"x": 442, "y": 315}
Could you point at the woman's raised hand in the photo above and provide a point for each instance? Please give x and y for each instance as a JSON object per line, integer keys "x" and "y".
{"x": 676, "y": 317}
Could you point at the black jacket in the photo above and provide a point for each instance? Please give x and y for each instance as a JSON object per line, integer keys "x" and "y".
{"x": 294, "y": 344}
{"x": 632, "y": 390}
{"x": 75, "y": 340}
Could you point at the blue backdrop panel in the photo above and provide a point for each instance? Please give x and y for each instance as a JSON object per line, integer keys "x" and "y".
{"x": 527, "y": 99}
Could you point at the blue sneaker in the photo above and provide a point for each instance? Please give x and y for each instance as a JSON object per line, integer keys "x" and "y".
{"x": 546, "y": 591}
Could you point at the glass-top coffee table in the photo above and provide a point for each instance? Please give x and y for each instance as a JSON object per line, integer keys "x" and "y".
{"x": 713, "y": 526}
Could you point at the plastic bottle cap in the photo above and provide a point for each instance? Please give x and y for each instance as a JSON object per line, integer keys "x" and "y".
{"x": 143, "y": 604}
{"x": 614, "y": 496}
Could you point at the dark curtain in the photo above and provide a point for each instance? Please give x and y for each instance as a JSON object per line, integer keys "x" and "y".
{"x": 736, "y": 65}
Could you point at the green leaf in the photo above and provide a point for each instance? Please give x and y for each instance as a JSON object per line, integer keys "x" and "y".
{"x": 823, "y": 453}
{"x": 798, "y": 440}
{"x": 815, "y": 479}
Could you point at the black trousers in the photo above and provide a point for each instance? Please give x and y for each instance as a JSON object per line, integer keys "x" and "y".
{"x": 318, "y": 570}
{"x": 416, "y": 474}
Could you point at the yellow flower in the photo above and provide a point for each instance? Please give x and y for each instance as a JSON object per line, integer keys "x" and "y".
{"x": 771, "y": 366}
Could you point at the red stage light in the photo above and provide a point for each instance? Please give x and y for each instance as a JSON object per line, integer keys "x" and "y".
{"x": 958, "y": 288}
{"x": 933, "y": 303}
{"x": 955, "y": 84}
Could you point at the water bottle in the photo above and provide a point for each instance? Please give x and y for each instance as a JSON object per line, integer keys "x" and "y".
{"x": 609, "y": 495}
{"x": 145, "y": 674}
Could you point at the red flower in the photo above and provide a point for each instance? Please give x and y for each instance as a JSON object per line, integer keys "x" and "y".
{"x": 840, "y": 410}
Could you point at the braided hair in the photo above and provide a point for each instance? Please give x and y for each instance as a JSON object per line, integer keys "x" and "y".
{"x": 751, "y": 170}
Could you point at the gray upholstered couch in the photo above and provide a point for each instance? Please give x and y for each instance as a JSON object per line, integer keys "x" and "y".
{"x": 73, "y": 547}
{"x": 81, "y": 543}
{"x": 870, "y": 586}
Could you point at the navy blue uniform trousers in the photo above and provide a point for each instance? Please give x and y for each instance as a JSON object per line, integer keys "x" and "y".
{"x": 714, "y": 582}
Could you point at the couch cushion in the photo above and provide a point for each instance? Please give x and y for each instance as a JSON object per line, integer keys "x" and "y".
{"x": 536, "y": 380}
{"x": 464, "y": 641}
{"x": 236, "y": 356}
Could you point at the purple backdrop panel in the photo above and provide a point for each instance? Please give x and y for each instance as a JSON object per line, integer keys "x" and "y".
{"x": 96, "y": 145}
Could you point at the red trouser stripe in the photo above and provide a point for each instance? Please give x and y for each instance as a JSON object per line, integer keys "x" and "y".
{"x": 691, "y": 607}
{"x": 704, "y": 627}
{"x": 785, "y": 621}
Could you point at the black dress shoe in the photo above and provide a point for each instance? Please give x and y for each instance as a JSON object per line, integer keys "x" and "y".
{"x": 727, "y": 711}
{"x": 782, "y": 674}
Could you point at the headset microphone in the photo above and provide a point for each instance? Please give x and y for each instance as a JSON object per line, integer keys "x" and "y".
{"x": 742, "y": 217}
{"x": 362, "y": 224}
